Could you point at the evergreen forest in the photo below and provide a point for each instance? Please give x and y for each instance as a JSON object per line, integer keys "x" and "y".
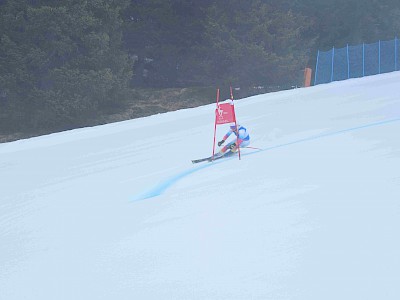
{"x": 66, "y": 61}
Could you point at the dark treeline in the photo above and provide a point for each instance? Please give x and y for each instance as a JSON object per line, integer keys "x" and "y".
{"x": 64, "y": 60}
{"x": 60, "y": 60}
{"x": 188, "y": 42}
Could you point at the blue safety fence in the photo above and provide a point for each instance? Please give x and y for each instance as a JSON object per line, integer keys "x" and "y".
{"x": 357, "y": 61}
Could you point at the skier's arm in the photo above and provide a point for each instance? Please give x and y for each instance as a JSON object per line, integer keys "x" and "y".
{"x": 242, "y": 133}
{"x": 227, "y": 135}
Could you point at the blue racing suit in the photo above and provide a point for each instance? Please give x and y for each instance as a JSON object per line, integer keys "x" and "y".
{"x": 243, "y": 138}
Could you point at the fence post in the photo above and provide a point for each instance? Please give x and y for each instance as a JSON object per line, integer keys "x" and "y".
{"x": 379, "y": 51}
{"x": 333, "y": 59}
{"x": 348, "y": 63}
{"x": 363, "y": 58}
{"x": 316, "y": 70}
{"x": 395, "y": 53}
{"x": 307, "y": 77}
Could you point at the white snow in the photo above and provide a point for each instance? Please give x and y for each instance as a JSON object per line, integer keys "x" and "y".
{"x": 119, "y": 212}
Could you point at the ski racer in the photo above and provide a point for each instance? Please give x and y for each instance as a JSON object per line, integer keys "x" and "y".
{"x": 242, "y": 140}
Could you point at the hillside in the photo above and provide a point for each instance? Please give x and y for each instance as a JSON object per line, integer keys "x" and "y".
{"x": 119, "y": 212}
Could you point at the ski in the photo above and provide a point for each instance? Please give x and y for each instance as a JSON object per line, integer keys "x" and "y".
{"x": 195, "y": 161}
{"x": 210, "y": 158}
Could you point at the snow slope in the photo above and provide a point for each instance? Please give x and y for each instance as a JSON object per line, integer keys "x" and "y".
{"x": 119, "y": 212}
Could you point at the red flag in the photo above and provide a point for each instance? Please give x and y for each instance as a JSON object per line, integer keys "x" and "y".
{"x": 224, "y": 113}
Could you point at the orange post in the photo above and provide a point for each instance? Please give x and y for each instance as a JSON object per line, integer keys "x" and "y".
{"x": 307, "y": 77}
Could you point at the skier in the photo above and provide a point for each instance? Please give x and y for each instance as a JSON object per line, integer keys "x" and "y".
{"x": 242, "y": 140}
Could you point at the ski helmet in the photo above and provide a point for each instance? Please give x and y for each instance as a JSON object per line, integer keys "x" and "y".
{"x": 233, "y": 126}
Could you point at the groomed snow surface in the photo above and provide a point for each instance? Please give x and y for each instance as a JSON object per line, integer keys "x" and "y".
{"x": 119, "y": 211}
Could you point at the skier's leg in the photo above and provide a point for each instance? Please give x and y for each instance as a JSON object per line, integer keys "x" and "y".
{"x": 244, "y": 144}
{"x": 226, "y": 148}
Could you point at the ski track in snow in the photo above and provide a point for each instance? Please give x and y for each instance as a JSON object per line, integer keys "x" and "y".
{"x": 161, "y": 187}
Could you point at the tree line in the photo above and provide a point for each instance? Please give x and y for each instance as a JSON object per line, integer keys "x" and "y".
{"x": 64, "y": 60}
